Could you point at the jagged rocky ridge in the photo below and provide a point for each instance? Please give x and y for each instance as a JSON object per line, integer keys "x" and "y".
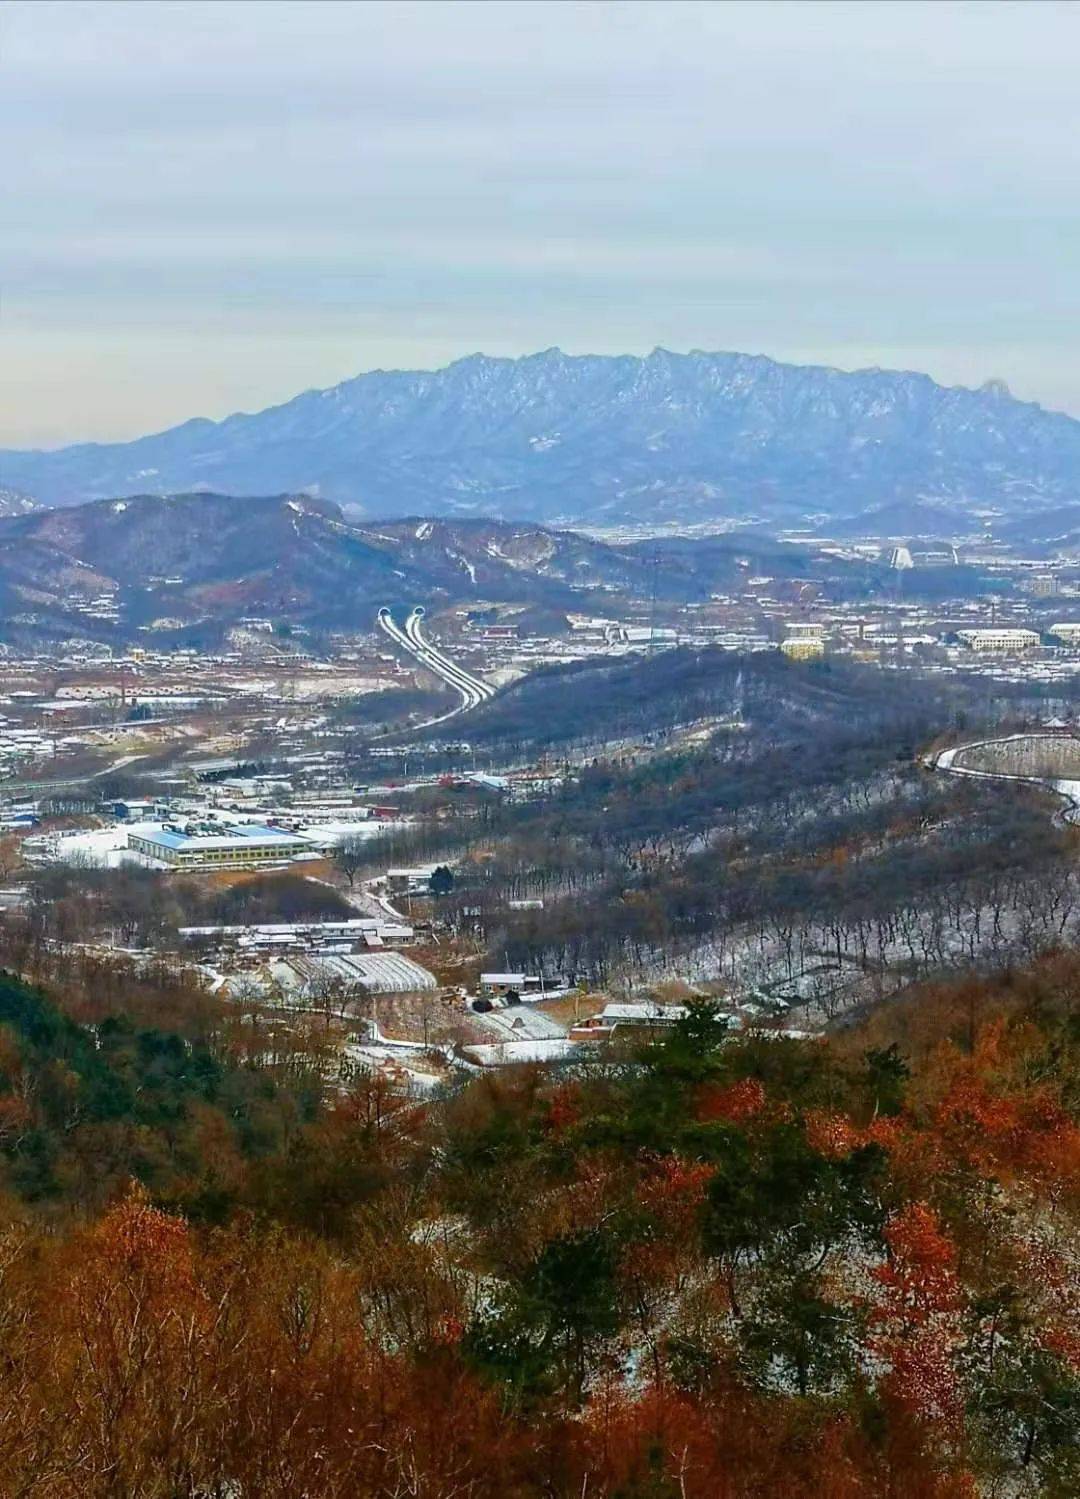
{"x": 558, "y": 438}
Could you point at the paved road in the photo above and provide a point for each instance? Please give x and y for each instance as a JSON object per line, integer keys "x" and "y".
{"x": 412, "y": 640}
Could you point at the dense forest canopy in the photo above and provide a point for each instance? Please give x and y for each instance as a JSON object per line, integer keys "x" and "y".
{"x": 703, "y": 1266}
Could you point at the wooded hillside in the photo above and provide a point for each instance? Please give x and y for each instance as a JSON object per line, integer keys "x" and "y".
{"x": 704, "y": 1267}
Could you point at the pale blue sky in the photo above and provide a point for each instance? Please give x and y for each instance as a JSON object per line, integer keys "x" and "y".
{"x": 206, "y": 208}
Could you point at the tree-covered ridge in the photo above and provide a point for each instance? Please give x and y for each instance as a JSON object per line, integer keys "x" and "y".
{"x": 704, "y": 1266}
{"x": 765, "y": 829}
{"x": 208, "y": 1119}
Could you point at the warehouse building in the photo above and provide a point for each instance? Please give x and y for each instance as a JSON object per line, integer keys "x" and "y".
{"x": 306, "y": 936}
{"x": 217, "y": 845}
{"x": 1003, "y": 639}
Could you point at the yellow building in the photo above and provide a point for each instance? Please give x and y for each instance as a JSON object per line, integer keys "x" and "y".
{"x": 803, "y": 647}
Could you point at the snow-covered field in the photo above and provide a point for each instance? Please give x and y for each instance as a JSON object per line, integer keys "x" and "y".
{"x": 104, "y": 848}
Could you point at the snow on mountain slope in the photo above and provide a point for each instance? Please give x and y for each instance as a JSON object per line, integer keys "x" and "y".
{"x": 208, "y": 559}
{"x": 558, "y": 438}
{"x": 14, "y": 503}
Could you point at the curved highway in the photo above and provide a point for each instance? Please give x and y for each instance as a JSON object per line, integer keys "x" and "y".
{"x": 456, "y": 675}
{"x": 472, "y": 690}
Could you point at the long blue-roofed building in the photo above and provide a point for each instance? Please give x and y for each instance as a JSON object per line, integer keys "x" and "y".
{"x": 218, "y": 845}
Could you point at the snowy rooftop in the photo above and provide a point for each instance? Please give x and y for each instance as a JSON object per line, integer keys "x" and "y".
{"x": 233, "y": 836}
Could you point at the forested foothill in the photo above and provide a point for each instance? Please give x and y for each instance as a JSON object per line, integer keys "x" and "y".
{"x": 700, "y": 1267}
{"x": 598, "y": 702}
{"x": 758, "y": 827}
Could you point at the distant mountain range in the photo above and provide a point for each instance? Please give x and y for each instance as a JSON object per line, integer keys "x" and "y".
{"x": 187, "y": 566}
{"x": 684, "y": 438}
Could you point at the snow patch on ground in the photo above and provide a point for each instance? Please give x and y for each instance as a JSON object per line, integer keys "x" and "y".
{"x": 511, "y": 1053}
{"x": 465, "y": 563}
{"x": 103, "y": 848}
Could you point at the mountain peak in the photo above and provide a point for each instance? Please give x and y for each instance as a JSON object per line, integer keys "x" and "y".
{"x": 601, "y": 439}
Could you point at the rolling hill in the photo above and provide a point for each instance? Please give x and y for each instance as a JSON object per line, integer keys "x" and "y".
{"x": 169, "y": 564}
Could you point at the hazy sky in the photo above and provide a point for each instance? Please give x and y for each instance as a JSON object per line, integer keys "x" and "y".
{"x": 206, "y": 208}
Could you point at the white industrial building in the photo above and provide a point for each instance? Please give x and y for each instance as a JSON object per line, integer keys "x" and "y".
{"x": 217, "y": 845}
{"x": 305, "y": 936}
{"x": 1001, "y": 639}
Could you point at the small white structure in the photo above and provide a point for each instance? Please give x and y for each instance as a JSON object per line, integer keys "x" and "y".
{"x": 638, "y": 1016}
{"x": 643, "y": 1014}
{"x": 507, "y": 983}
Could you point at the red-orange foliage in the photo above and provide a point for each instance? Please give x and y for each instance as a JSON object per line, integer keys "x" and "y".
{"x": 832, "y": 1135}
{"x": 563, "y": 1108}
{"x": 915, "y": 1319}
{"x": 735, "y": 1103}
{"x": 1051, "y": 1281}
{"x": 990, "y": 1118}
{"x": 139, "y": 1361}
{"x": 920, "y": 1276}
{"x": 734, "y": 1444}
{"x": 145, "y": 1240}
{"x": 672, "y": 1189}
{"x": 424, "y": 1353}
